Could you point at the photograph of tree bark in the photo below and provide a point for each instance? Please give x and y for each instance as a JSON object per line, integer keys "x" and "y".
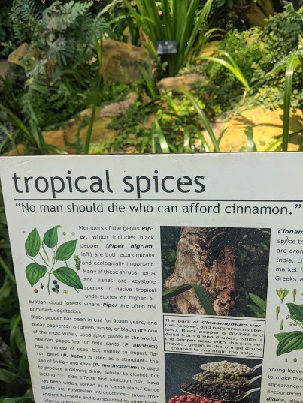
{"x": 215, "y": 270}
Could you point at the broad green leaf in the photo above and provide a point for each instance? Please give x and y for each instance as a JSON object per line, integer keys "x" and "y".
{"x": 65, "y": 251}
{"x": 34, "y": 272}
{"x": 295, "y": 311}
{"x": 50, "y": 238}
{"x": 33, "y": 243}
{"x": 289, "y": 342}
{"x": 69, "y": 277}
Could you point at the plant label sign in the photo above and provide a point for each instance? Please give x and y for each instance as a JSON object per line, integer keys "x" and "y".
{"x": 159, "y": 278}
{"x": 166, "y": 47}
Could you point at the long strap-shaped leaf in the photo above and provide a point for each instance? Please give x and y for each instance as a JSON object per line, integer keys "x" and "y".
{"x": 231, "y": 66}
{"x": 203, "y": 118}
{"x": 158, "y": 139}
{"x": 200, "y": 292}
{"x": 200, "y": 113}
{"x": 292, "y": 64}
{"x": 17, "y": 121}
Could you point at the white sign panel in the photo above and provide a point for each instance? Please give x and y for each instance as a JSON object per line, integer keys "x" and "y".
{"x": 152, "y": 279}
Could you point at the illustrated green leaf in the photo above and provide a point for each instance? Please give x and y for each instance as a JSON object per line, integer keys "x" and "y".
{"x": 33, "y": 243}
{"x": 280, "y": 336}
{"x": 50, "y": 238}
{"x": 65, "y": 251}
{"x": 289, "y": 341}
{"x": 34, "y": 272}
{"x": 77, "y": 262}
{"x": 69, "y": 277}
{"x": 295, "y": 311}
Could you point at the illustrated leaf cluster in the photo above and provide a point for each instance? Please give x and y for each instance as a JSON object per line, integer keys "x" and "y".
{"x": 35, "y": 247}
{"x": 290, "y": 341}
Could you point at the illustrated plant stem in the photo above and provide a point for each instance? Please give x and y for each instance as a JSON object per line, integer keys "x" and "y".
{"x": 50, "y": 272}
{"x": 48, "y": 282}
{"x": 43, "y": 259}
{"x": 297, "y": 323}
{"x": 44, "y": 251}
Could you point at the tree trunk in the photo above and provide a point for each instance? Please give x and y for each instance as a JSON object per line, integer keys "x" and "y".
{"x": 205, "y": 256}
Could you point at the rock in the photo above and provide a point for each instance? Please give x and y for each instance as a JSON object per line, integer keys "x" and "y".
{"x": 24, "y": 53}
{"x": 117, "y": 108}
{"x": 209, "y": 48}
{"x": 122, "y": 62}
{"x": 267, "y": 127}
{"x": 176, "y": 83}
{"x": 17, "y": 55}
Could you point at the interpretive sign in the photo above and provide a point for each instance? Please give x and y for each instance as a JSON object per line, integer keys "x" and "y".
{"x": 166, "y": 47}
{"x": 159, "y": 279}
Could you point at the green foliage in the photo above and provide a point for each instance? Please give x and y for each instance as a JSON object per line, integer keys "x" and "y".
{"x": 6, "y": 30}
{"x": 121, "y": 24}
{"x": 294, "y": 60}
{"x": 24, "y": 16}
{"x": 178, "y": 123}
{"x": 15, "y": 381}
{"x": 69, "y": 277}
{"x": 255, "y": 52}
{"x": 258, "y": 307}
{"x": 61, "y": 64}
{"x": 168, "y": 20}
{"x": 290, "y": 341}
{"x": 231, "y": 65}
